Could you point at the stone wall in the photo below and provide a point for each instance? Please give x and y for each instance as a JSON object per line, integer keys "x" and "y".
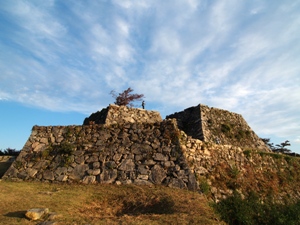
{"x": 218, "y": 126}
{"x": 221, "y": 169}
{"x": 115, "y": 114}
{"x": 150, "y": 154}
{"x": 139, "y": 153}
{"x": 128, "y": 152}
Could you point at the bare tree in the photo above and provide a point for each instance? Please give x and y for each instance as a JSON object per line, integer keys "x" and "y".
{"x": 279, "y": 147}
{"x": 126, "y": 98}
{"x": 267, "y": 142}
{"x": 282, "y": 147}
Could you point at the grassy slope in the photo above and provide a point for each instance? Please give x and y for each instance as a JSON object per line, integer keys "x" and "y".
{"x": 104, "y": 204}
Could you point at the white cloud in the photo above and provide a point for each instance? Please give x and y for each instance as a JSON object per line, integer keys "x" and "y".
{"x": 297, "y": 140}
{"x": 240, "y": 56}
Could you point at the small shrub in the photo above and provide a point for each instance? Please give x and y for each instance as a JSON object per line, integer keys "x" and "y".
{"x": 45, "y": 153}
{"x": 289, "y": 159}
{"x": 273, "y": 155}
{"x": 225, "y": 128}
{"x": 250, "y": 210}
{"x": 276, "y": 156}
{"x": 262, "y": 154}
{"x": 204, "y": 187}
{"x": 240, "y": 135}
{"x": 234, "y": 172}
{"x": 210, "y": 123}
{"x": 65, "y": 148}
{"x": 247, "y": 153}
{"x": 68, "y": 132}
{"x": 67, "y": 160}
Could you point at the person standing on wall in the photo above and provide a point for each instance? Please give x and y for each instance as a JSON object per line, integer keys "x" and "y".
{"x": 143, "y": 104}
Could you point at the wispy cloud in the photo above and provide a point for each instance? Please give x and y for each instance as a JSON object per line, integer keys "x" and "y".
{"x": 240, "y": 56}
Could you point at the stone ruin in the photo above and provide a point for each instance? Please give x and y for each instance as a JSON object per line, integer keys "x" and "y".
{"x": 114, "y": 114}
{"x": 218, "y": 126}
{"x": 121, "y": 145}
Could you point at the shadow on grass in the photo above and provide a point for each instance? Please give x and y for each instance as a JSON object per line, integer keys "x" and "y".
{"x": 159, "y": 205}
{"x": 16, "y": 214}
{"x": 4, "y": 167}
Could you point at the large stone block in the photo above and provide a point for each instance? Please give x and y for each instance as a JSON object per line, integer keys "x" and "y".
{"x": 158, "y": 174}
{"x": 79, "y": 172}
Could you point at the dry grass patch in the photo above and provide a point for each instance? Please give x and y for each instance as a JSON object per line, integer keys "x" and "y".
{"x": 104, "y": 204}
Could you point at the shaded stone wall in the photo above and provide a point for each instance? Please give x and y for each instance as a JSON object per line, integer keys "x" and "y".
{"x": 5, "y": 162}
{"x": 190, "y": 122}
{"x": 218, "y": 126}
{"x": 115, "y": 114}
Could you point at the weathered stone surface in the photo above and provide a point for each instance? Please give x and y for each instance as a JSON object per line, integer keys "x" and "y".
{"x": 201, "y": 170}
{"x": 61, "y": 170}
{"x": 11, "y": 172}
{"x": 160, "y": 157}
{"x": 142, "y": 182}
{"x": 36, "y": 213}
{"x": 41, "y": 165}
{"x": 114, "y": 114}
{"x": 143, "y": 170}
{"x": 111, "y": 165}
{"x": 158, "y": 174}
{"x": 79, "y": 159}
{"x": 89, "y": 179}
{"x": 192, "y": 183}
{"x": 149, "y": 162}
{"x": 138, "y": 157}
{"x": 39, "y": 147}
{"x": 48, "y": 175}
{"x": 31, "y": 172}
{"x": 117, "y": 157}
{"x": 44, "y": 140}
{"x": 22, "y": 175}
{"x": 142, "y": 177}
{"x": 127, "y": 165}
{"x": 96, "y": 165}
{"x": 177, "y": 183}
{"x": 94, "y": 172}
{"x": 168, "y": 164}
{"x": 93, "y": 158}
{"x": 79, "y": 171}
{"x": 62, "y": 178}
{"x": 108, "y": 176}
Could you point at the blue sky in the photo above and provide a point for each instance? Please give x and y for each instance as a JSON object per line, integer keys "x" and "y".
{"x": 59, "y": 60}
